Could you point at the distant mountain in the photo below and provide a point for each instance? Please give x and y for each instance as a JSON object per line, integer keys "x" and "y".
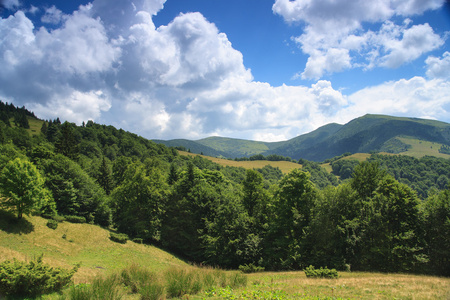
{"x": 370, "y": 133}
{"x": 193, "y": 146}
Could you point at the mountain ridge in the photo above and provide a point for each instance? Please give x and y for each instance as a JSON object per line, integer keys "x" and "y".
{"x": 366, "y": 134}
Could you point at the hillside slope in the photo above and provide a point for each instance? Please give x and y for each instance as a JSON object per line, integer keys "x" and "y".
{"x": 70, "y": 244}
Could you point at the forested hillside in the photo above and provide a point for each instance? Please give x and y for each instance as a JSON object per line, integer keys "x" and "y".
{"x": 226, "y": 216}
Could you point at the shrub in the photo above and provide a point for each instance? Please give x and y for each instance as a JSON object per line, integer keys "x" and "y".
{"x": 32, "y": 279}
{"x": 311, "y": 272}
{"x": 52, "y": 224}
{"x": 250, "y": 268}
{"x": 118, "y": 237}
{"x": 75, "y": 219}
{"x": 138, "y": 240}
{"x": 58, "y": 218}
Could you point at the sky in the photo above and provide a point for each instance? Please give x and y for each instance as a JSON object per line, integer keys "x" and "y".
{"x": 266, "y": 70}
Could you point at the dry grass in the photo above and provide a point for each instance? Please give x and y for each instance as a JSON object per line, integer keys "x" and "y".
{"x": 285, "y": 166}
{"x": 355, "y": 285}
{"x": 83, "y": 243}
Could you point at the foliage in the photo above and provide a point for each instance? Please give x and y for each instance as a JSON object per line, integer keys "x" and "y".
{"x": 251, "y": 268}
{"x": 121, "y": 238}
{"x": 444, "y": 149}
{"x": 139, "y": 201}
{"x": 436, "y": 214}
{"x": 52, "y": 224}
{"x": 75, "y": 219}
{"x": 320, "y": 273}
{"x": 344, "y": 167}
{"x": 74, "y": 191}
{"x": 294, "y": 201}
{"x": 422, "y": 174}
{"x": 23, "y": 188}
{"x": 31, "y": 279}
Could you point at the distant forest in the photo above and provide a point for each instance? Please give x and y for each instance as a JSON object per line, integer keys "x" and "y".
{"x": 388, "y": 214}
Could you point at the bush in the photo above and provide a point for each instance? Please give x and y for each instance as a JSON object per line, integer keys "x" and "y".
{"x": 118, "y": 237}
{"x": 32, "y": 279}
{"x": 52, "y": 224}
{"x": 75, "y": 219}
{"x": 311, "y": 272}
{"x": 58, "y": 218}
{"x": 138, "y": 240}
{"x": 250, "y": 268}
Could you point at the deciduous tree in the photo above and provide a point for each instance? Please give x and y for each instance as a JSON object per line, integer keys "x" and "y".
{"x": 22, "y": 187}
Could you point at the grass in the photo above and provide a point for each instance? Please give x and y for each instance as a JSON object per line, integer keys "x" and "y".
{"x": 35, "y": 125}
{"x": 421, "y": 148}
{"x": 85, "y": 243}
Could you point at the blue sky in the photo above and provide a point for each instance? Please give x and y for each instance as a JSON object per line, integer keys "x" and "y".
{"x": 255, "y": 69}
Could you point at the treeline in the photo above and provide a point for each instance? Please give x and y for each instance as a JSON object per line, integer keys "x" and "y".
{"x": 426, "y": 175}
{"x": 270, "y": 157}
{"x": 228, "y": 217}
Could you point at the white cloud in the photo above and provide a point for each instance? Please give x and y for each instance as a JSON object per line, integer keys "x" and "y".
{"x": 413, "y": 97}
{"x": 75, "y": 107}
{"x": 335, "y": 37}
{"x": 417, "y": 40}
{"x": 52, "y": 15}
{"x": 439, "y": 68}
{"x": 10, "y": 4}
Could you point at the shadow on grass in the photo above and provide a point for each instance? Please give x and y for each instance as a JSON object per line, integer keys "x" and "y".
{"x": 10, "y": 224}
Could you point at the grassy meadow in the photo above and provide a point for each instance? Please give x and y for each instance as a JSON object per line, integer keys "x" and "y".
{"x": 285, "y": 166}
{"x": 421, "y": 148}
{"x": 90, "y": 245}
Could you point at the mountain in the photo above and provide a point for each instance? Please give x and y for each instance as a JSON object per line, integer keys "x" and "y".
{"x": 369, "y": 133}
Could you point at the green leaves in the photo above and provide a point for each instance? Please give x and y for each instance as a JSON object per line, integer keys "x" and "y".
{"x": 19, "y": 278}
{"x": 23, "y": 187}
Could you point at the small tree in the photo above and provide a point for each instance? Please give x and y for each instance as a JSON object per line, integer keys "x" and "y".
{"x": 22, "y": 187}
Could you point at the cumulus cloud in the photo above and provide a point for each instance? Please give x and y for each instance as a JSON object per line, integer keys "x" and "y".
{"x": 437, "y": 67}
{"x": 10, "y": 4}
{"x": 74, "y": 106}
{"x": 52, "y": 15}
{"x": 335, "y": 37}
{"x": 406, "y": 97}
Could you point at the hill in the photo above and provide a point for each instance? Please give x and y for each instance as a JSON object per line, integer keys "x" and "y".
{"x": 370, "y": 133}
{"x": 70, "y": 244}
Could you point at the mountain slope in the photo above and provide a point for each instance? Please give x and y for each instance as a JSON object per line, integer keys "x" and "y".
{"x": 370, "y": 133}
{"x": 192, "y": 146}
{"x": 235, "y": 147}
{"x": 366, "y": 134}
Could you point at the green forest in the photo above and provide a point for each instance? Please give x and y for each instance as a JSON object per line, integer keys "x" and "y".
{"x": 388, "y": 214}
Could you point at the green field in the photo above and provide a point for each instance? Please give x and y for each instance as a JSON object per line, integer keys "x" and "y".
{"x": 71, "y": 243}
